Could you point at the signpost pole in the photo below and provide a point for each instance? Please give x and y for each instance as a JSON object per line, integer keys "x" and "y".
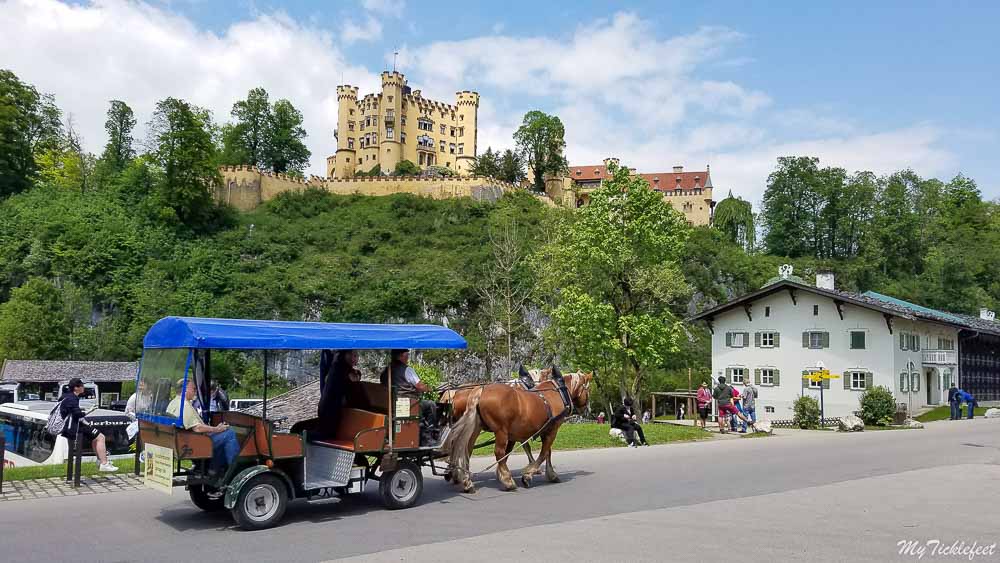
{"x": 822, "y": 417}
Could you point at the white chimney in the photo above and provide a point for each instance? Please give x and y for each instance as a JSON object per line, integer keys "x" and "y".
{"x": 678, "y": 169}
{"x": 824, "y": 280}
{"x": 986, "y": 314}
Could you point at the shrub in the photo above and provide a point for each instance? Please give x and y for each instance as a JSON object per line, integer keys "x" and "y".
{"x": 806, "y": 412}
{"x": 878, "y": 406}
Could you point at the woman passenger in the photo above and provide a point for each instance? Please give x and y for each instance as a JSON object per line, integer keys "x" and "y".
{"x": 342, "y": 372}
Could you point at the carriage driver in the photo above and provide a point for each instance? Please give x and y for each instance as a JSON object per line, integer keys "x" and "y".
{"x": 406, "y": 383}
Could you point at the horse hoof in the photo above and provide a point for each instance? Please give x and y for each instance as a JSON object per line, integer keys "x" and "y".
{"x": 471, "y": 489}
{"x": 526, "y": 482}
{"x": 554, "y": 479}
{"x": 447, "y": 477}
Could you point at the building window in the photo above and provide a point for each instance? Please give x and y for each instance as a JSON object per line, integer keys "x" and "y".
{"x": 350, "y": 126}
{"x": 451, "y": 147}
{"x": 768, "y": 376}
{"x": 857, "y": 340}
{"x": 813, "y": 384}
{"x": 461, "y": 148}
{"x": 421, "y": 156}
{"x": 388, "y": 132}
{"x": 903, "y": 382}
{"x": 815, "y": 339}
{"x": 402, "y": 121}
{"x": 815, "y": 310}
{"x": 350, "y": 143}
{"x": 767, "y": 311}
{"x": 736, "y": 375}
{"x": 442, "y": 127}
{"x": 858, "y": 380}
{"x": 442, "y": 146}
{"x": 946, "y": 378}
{"x": 461, "y": 117}
{"x": 769, "y": 409}
{"x": 946, "y": 344}
{"x": 351, "y": 111}
{"x": 402, "y": 136}
{"x": 767, "y": 339}
{"x": 390, "y": 98}
{"x": 915, "y": 382}
{"x": 737, "y": 339}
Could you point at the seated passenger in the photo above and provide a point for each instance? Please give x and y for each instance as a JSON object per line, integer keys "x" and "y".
{"x": 342, "y": 371}
{"x": 225, "y": 446}
{"x": 406, "y": 383}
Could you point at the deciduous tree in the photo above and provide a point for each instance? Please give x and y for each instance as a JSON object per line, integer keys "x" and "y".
{"x": 29, "y": 125}
{"x": 34, "y": 324}
{"x": 540, "y": 141}
{"x": 119, "y": 150}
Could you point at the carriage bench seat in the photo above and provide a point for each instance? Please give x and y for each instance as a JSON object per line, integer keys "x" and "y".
{"x": 361, "y": 429}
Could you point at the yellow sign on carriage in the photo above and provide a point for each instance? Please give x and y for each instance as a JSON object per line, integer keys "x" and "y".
{"x": 159, "y": 473}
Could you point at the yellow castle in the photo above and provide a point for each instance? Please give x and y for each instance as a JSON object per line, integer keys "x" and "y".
{"x": 399, "y": 124}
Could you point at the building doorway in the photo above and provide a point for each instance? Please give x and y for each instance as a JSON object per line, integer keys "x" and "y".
{"x": 933, "y": 386}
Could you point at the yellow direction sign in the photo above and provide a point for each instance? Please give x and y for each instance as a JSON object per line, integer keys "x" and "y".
{"x": 820, "y": 375}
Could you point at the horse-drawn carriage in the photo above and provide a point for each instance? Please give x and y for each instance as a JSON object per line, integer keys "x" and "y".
{"x": 377, "y": 436}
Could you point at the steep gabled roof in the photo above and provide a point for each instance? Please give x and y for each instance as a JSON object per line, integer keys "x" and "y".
{"x": 662, "y": 181}
{"x": 869, "y": 300}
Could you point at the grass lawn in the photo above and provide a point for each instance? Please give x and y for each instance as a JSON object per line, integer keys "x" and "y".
{"x": 46, "y": 471}
{"x": 589, "y": 435}
{"x": 944, "y": 413}
{"x": 874, "y": 427}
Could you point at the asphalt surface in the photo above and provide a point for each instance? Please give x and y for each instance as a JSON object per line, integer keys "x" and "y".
{"x": 818, "y": 496}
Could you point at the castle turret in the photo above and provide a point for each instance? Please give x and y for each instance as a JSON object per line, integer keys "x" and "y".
{"x": 345, "y": 162}
{"x": 390, "y": 149}
{"x": 467, "y": 110}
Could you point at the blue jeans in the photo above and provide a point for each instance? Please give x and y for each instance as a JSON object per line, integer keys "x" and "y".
{"x": 956, "y": 410}
{"x": 225, "y": 448}
{"x": 971, "y": 407}
{"x": 732, "y": 419}
{"x": 750, "y": 413}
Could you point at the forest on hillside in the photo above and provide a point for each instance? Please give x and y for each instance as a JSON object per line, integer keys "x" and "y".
{"x": 95, "y": 248}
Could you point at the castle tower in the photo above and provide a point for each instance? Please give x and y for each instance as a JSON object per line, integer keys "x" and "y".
{"x": 390, "y": 110}
{"x": 466, "y": 121}
{"x": 345, "y": 162}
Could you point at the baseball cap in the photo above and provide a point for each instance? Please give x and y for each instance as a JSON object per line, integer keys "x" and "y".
{"x": 75, "y": 382}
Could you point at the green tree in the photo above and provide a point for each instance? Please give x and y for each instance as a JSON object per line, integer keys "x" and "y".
{"x": 541, "y": 141}
{"x": 734, "y": 217}
{"x": 406, "y": 168}
{"x": 511, "y": 167}
{"x": 790, "y": 206}
{"x": 247, "y": 140}
{"x": 34, "y": 324}
{"x": 611, "y": 276}
{"x": 181, "y": 143}
{"x": 286, "y": 152}
{"x": 29, "y": 125}
{"x": 119, "y": 150}
{"x": 486, "y": 164}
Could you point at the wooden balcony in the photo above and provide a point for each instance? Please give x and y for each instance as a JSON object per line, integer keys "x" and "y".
{"x": 940, "y": 357}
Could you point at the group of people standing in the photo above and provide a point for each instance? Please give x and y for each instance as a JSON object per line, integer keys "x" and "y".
{"x": 733, "y": 404}
{"x": 958, "y": 396}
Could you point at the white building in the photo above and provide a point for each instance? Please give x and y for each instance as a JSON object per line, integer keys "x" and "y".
{"x": 789, "y": 328}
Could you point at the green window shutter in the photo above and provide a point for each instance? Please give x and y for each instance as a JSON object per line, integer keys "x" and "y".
{"x": 746, "y": 339}
{"x": 868, "y": 380}
{"x": 902, "y": 341}
{"x": 805, "y": 382}
{"x": 777, "y": 340}
{"x": 729, "y": 340}
{"x": 756, "y": 339}
{"x": 777, "y": 377}
{"x": 847, "y": 381}
{"x": 756, "y": 376}
{"x": 805, "y": 339}
{"x": 915, "y": 382}
{"x": 729, "y": 375}
{"x": 826, "y": 384}
{"x": 825, "y": 340}
{"x": 903, "y": 387}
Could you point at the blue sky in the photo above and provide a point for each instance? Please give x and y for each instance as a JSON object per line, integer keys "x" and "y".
{"x": 873, "y": 85}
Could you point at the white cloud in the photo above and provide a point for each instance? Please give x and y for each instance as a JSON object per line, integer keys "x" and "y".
{"x": 369, "y": 30}
{"x": 88, "y": 55}
{"x": 393, "y": 8}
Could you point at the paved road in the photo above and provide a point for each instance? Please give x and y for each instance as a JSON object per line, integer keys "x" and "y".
{"x": 811, "y": 497}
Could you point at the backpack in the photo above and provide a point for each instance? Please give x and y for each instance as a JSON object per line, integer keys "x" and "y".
{"x": 57, "y": 422}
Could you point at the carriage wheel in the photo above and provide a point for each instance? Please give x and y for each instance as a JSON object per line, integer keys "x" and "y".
{"x": 261, "y": 503}
{"x": 402, "y": 487}
{"x": 207, "y": 498}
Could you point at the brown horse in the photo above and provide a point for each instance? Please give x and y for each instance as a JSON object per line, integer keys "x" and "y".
{"x": 513, "y": 415}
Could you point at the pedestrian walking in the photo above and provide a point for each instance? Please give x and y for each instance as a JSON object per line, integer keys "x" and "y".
{"x": 680, "y": 412}
{"x": 704, "y": 402}
{"x": 954, "y": 402}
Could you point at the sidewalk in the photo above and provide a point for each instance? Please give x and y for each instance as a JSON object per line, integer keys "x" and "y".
{"x": 58, "y": 487}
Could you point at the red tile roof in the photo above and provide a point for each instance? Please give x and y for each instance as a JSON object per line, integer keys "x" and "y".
{"x": 659, "y": 181}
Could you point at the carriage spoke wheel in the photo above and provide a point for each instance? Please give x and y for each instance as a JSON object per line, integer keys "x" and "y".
{"x": 261, "y": 503}
{"x": 402, "y": 487}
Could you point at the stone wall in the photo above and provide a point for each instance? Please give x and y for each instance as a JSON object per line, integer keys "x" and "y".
{"x": 246, "y": 187}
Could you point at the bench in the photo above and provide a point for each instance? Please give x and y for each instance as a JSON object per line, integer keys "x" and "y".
{"x": 359, "y": 430}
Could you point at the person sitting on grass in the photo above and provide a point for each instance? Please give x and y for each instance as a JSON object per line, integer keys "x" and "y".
{"x": 225, "y": 446}
{"x": 70, "y": 410}
{"x": 624, "y": 419}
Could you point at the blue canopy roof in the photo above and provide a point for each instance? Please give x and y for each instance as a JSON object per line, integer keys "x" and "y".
{"x": 243, "y": 334}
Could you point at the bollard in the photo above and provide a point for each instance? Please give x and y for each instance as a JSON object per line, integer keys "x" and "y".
{"x": 3, "y": 460}
{"x": 70, "y": 455}
{"x": 79, "y": 459}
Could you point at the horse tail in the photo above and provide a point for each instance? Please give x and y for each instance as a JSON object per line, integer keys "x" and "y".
{"x": 461, "y": 439}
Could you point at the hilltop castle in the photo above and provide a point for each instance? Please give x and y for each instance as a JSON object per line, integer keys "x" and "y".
{"x": 399, "y": 124}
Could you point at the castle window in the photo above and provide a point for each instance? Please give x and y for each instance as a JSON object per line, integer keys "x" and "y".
{"x": 461, "y": 148}
{"x": 452, "y": 131}
{"x": 447, "y": 165}
{"x": 390, "y": 98}
{"x": 352, "y": 111}
{"x": 350, "y": 143}
{"x": 461, "y": 117}
{"x": 442, "y": 128}
{"x": 388, "y": 132}
{"x": 402, "y": 120}
{"x": 442, "y": 146}
{"x": 402, "y": 136}
{"x": 452, "y": 147}
{"x": 421, "y": 156}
